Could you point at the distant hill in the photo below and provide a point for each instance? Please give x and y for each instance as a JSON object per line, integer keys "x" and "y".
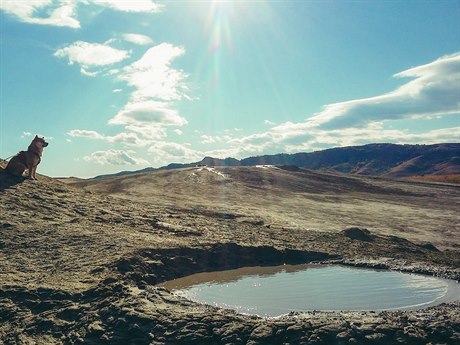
{"x": 123, "y": 173}
{"x": 388, "y": 160}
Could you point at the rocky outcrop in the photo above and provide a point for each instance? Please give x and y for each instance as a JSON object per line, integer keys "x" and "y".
{"x": 359, "y": 234}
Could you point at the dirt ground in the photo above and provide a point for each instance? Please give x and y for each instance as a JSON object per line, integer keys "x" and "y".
{"x": 79, "y": 263}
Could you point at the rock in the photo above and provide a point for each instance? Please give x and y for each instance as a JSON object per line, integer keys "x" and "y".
{"x": 95, "y": 327}
{"x": 376, "y": 337}
{"x": 360, "y": 234}
{"x": 344, "y": 336}
{"x": 429, "y": 246}
{"x": 261, "y": 332}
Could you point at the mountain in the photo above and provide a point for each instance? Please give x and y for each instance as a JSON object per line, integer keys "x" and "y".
{"x": 388, "y": 160}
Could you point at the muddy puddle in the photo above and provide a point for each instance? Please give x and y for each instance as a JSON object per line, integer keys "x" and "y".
{"x": 275, "y": 291}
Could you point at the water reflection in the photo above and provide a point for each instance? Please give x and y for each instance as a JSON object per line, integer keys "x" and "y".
{"x": 273, "y": 291}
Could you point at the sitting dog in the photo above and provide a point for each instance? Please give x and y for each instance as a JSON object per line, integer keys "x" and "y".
{"x": 28, "y": 159}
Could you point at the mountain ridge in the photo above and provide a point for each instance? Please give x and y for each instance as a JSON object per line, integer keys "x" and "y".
{"x": 378, "y": 159}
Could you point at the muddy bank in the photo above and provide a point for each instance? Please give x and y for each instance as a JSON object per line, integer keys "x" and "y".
{"x": 126, "y": 307}
{"x": 80, "y": 268}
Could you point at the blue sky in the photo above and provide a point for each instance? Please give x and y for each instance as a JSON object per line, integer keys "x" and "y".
{"x": 121, "y": 85}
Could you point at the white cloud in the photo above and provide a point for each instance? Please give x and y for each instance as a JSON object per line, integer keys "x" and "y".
{"x": 373, "y": 134}
{"x": 433, "y": 93}
{"x": 113, "y": 71}
{"x": 88, "y": 73}
{"x": 82, "y": 133}
{"x": 26, "y": 134}
{"x": 291, "y": 138}
{"x": 130, "y": 5}
{"x": 156, "y": 85}
{"x": 178, "y": 131}
{"x": 115, "y": 157}
{"x": 434, "y": 90}
{"x": 211, "y": 139}
{"x": 116, "y": 90}
{"x": 164, "y": 152}
{"x": 57, "y": 13}
{"x": 153, "y": 77}
{"x": 150, "y": 132}
{"x": 269, "y": 123}
{"x": 63, "y": 13}
{"x": 138, "y": 39}
{"x": 150, "y": 108}
{"x": 147, "y": 113}
{"x": 127, "y": 138}
{"x": 91, "y": 54}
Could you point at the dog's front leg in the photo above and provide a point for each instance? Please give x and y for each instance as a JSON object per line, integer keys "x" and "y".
{"x": 34, "y": 169}
{"x": 29, "y": 172}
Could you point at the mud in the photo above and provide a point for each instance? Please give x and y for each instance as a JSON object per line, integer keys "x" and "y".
{"x": 81, "y": 268}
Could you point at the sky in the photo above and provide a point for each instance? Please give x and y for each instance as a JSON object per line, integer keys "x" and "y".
{"x": 118, "y": 85}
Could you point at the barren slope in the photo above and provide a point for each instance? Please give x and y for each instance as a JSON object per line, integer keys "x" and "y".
{"x": 77, "y": 267}
{"x": 300, "y": 199}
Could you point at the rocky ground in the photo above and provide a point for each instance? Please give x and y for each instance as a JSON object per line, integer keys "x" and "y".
{"x": 80, "y": 267}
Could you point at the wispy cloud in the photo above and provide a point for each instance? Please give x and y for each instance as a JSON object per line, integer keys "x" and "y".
{"x": 130, "y": 6}
{"x": 57, "y": 13}
{"x": 138, "y": 39}
{"x": 173, "y": 152}
{"x": 372, "y": 133}
{"x": 315, "y": 139}
{"x": 63, "y": 13}
{"x": 150, "y": 109}
{"x": 433, "y": 90}
{"x": 211, "y": 139}
{"x": 26, "y": 134}
{"x": 162, "y": 152}
{"x": 148, "y": 113}
{"x": 127, "y": 138}
{"x": 115, "y": 157}
{"x": 156, "y": 86}
{"x": 153, "y": 77}
{"x": 91, "y": 55}
{"x": 85, "y": 134}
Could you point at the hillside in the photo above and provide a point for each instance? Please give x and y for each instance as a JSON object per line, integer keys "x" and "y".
{"x": 296, "y": 198}
{"x": 80, "y": 264}
{"x": 387, "y": 160}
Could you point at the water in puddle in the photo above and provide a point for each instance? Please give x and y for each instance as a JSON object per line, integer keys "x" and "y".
{"x": 274, "y": 291}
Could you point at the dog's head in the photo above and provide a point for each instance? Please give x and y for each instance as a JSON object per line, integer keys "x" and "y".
{"x": 39, "y": 142}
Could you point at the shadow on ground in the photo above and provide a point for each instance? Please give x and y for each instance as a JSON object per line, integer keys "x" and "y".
{"x": 7, "y": 180}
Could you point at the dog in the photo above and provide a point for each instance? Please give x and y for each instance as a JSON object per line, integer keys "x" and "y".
{"x": 28, "y": 160}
